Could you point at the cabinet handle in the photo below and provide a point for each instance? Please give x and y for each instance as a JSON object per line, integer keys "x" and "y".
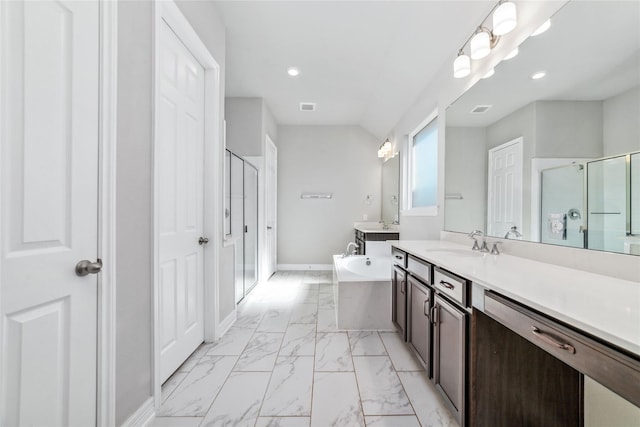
{"x": 552, "y": 341}
{"x": 398, "y": 256}
{"x": 446, "y": 284}
{"x": 403, "y": 286}
{"x": 424, "y": 308}
{"x": 434, "y": 315}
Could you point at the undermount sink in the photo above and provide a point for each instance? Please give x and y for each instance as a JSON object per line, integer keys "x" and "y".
{"x": 458, "y": 252}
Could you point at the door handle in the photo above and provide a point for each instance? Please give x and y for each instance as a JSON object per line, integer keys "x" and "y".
{"x": 269, "y": 227}
{"x": 86, "y": 267}
{"x": 424, "y": 308}
{"x": 203, "y": 241}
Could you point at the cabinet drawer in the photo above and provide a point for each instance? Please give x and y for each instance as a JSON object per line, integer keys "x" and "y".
{"x": 609, "y": 367}
{"x": 419, "y": 268}
{"x": 451, "y": 285}
{"x": 398, "y": 257}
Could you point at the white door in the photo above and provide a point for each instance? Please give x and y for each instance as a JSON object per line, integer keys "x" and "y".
{"x": 271, "y": 192}
{"x": 505, "y": 188}
{"x": 49, "y": 198}
{"x": 180, "y": 163}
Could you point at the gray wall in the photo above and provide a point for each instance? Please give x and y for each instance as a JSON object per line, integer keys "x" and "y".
{"x": 134, "y": 208}
{"x": 330, "y": 159}
{"x": 622, "y": 123}
{"x": 466, "y": 174}
{"x": 134, "y": 330}
{"x": 248, "y": 121}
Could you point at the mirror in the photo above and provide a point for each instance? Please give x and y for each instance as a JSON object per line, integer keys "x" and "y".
{"x": 390, "y": 199}
{"x": 519, "y": 150}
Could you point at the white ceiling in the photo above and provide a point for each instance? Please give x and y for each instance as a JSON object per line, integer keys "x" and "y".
{"x": 363, "y": 62}
{"x": 591, "y": 52}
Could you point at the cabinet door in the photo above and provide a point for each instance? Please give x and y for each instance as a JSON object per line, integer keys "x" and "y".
{"x": 420, "y": 322}
{"x": 399, "y": 285}
{"x": 449, "y": 361}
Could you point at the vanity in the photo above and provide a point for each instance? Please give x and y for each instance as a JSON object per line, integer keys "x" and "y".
{"x": 366, "y": 234}
{"x": 511, "y": 341}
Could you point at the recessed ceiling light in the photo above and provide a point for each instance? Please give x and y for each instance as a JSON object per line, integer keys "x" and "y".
{"x": 489, "y": 74}
{"x": 538, "y": 75}
{"x": 542, "y": 28}
{"x": 293, "y": 71}
{"x": 512, "y": 54}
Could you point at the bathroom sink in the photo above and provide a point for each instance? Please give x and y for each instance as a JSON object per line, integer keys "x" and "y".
{"x": 458, "y": 252}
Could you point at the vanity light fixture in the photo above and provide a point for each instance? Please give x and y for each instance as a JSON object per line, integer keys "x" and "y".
{"x": 462, "y": 65}
{"x": 490, "y": 73}
{"x": 484, "y": 39}
{"x": 385, "y": 149}
{"x": 542, "y": 28}
{"x": 504, "y": 18}
{"x": 293, "y": 71}
{"x": 538, "y": 75}
{"x": 512, "y": 54}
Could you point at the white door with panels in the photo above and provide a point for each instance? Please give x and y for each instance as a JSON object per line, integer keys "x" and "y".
{"x": 504, "y": 206}
{"x": 180, "y": 173}
{"x": 49, "y": 85}
{"x": 271, "y": 191}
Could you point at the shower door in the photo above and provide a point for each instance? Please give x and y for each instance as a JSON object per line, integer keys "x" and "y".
{"x": 562, "y": 206}
{"x": 250, "y": 227}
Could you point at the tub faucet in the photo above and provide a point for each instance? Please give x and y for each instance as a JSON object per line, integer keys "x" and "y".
{"x": 352, "y": 251}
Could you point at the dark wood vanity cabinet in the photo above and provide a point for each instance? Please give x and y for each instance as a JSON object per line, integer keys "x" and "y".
{"x": 419, "y": 336}
{"x": 515, "y": 383}
{"x": 399, "y": 300}
{"x": 450, "y": 354}
{"x": 362, "y": 237}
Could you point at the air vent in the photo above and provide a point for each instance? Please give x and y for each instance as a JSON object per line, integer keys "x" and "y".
{"x": 479, "y": 109}
{"x": 307, "y": 106}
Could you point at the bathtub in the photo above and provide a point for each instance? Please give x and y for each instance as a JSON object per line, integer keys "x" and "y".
{"x": 362, "y": 292}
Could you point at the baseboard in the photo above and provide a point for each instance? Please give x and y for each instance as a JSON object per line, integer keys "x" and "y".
{"x": 143, "y": 415}
{"x": 302, "y": 267}
{"x": 224, "y": 326}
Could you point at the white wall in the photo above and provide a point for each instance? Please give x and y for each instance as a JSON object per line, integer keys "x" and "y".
{"x": 134, "y": 369}
{"x": 341, "y": 160}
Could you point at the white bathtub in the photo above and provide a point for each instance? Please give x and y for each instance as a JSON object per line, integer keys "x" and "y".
{"x": 363, "y": 292}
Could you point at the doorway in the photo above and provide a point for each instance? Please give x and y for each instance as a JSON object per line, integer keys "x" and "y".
{"x": 504, "y": 204}
{"x": 187, "y": 182}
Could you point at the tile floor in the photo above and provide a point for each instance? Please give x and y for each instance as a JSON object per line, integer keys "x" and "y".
{"x": 284, "y": 363}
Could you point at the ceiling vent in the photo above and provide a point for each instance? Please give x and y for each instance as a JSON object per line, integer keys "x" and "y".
{"x": 307, "y": 106}
{"x": 479, "y": 109}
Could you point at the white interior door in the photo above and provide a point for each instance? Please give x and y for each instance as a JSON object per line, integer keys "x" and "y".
{"x": 505, "y": 188}
{"x": 271, "y": 194}
{"x": 49, "y": 199}
{"x": 180, "y": 163}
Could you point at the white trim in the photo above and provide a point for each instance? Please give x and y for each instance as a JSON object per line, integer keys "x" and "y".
{"x": 491, "y": 152}
{"x": 169, "y": 12}
{"x": 143, "y": 415}
{"x": 301, "y": 267}
{"x": 225, "y": 324}
{"x": 106, "y": 337}
{"x": 425, "y": 210}
{"x": 269, "y": 141}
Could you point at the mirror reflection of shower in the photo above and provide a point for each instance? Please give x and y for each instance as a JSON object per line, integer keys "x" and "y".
{"x": 563, "y": 200}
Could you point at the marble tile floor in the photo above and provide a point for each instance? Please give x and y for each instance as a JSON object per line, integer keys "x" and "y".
{"x": 285, "y": 364}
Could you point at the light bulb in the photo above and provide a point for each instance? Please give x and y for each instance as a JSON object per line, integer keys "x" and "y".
{"x": 480, "y": 45}
{"x": 489, "y": 74}
{"x": 512, "y": 54}
{"x": 461, "y": 66}
{"x": 504, "y": 18}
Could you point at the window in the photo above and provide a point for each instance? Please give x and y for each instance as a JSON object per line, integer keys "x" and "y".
{"x": 422, "y": 176}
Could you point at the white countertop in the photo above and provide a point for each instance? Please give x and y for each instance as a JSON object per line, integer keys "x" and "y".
{"x": 602, "y": 306}
{"x": 375, "y": 230}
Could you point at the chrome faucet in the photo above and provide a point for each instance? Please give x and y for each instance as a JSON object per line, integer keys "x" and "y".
{"x": 483, "y": 247}
{"x": 353, "y": 251}
{"x": 513, "y": 233}
{"x": 384, "y": 225}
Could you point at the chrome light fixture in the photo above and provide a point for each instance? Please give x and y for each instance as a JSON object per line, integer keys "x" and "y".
{"x": 504, "y": 18}
{"x": 462, "y": 65}
{"x": 481, "y": 42}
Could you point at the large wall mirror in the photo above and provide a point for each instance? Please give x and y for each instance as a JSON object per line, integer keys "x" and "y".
{"x": 554, "y": 159}
{"x": 390, "y": 198}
